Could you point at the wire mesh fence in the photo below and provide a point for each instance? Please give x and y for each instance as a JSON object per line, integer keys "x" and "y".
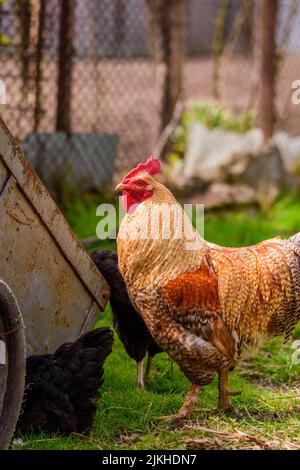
{"x": 90, "y": 85}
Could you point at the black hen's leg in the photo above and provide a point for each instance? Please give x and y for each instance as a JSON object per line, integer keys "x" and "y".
{"x": 140, "y": 374}
{"x": 148, "y": 369}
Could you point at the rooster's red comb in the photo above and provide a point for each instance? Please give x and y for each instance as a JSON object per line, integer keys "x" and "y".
{"x": 151, "y": 166}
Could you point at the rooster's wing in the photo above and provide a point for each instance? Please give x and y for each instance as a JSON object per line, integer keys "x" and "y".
{"x": 193, "y": 300}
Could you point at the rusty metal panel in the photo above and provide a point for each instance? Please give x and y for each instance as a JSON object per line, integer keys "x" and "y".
{"x": 3, "y": 369}
{"x": 34, "y": 190}
{"x": 58, "y": 287}
{"x": 4, "y": 175}
{"x": 55, "y": 304}
{"x": 90, "y": 318}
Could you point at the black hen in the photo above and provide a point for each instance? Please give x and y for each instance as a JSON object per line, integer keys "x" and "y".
{"x": 129, "y": 325}
{"x": 61, "y": 388}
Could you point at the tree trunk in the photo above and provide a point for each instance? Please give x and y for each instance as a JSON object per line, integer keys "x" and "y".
{"x": 119, "y": 22}
{"x": 38, "y": 65}
{"x": 266, "y": 116}
{"x": 167, "y": 19}
{"x": 217, "y": 46}
{"x": 24, "y": 16}
{"x": 63, "y": 116}
{"x": 172, "y": 21}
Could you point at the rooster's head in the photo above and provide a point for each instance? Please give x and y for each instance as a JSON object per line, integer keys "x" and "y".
{"x": 137, "y": 186}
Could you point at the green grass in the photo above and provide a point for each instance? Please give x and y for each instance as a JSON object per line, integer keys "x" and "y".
{"x": 267, "y": 411}
{"x": 250, "y": 226}
{"x": 81, "y": 215}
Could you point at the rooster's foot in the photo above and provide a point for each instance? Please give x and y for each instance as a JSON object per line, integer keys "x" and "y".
{"x": 222, "y": 408}
{"x": 185, "y": 412}
{"x": 178, "y": 417}
{"x": 226, "y": 407}
{"x": 232, "y": 393}
{"x": 187, "y": 408}
{"x": 225, "y": 404}
{"x": 206, "y": 410}
{"x": 215, "y": 411}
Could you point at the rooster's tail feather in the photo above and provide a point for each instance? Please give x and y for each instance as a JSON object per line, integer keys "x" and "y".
{"x": 295, "y": 239}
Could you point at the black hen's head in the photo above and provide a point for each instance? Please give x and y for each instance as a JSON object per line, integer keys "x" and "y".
{"x": 107, "y": 263}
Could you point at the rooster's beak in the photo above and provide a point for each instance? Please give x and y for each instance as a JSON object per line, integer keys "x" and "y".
{"x": 120, "y": 187}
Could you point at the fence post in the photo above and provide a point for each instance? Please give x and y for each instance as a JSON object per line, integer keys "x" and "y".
{"x": 23, "y": 10}
{"x": 38, "y": 64}
{"x": 266, "y": 116}
{"x": 172, "y": 21}
{"x": 63, "y": 113}
{"x": 119, "y": 21}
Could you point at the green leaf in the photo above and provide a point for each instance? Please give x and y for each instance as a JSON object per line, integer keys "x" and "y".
{"x": 5, "y": 40}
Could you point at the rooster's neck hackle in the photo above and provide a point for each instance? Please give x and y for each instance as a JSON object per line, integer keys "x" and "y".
{"x": 153, "y": 239}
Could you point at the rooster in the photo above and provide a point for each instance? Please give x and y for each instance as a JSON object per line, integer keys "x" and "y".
{"x": 60, "y": 388}
{"x": 129, "y": 325}
{"x": 203, "y": 304}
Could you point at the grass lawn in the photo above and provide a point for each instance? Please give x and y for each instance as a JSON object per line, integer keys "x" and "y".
{"x": 266, "y": 412}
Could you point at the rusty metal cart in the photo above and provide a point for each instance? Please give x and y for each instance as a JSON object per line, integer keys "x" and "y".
{"x": 50, "y": 290}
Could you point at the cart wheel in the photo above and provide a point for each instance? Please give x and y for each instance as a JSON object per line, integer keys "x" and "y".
{"x": 12, "y": 363}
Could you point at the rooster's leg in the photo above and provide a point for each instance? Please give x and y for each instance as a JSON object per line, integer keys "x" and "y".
{"x": 140, "y": 379}
{"x": 187, "y": 408}
{"x": 148, "y": 369}
{"x": 190, "y": 401}
{"x": 224, "y": 391}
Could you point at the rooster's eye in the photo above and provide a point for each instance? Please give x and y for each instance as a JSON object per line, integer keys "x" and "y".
{"x": 140, "y": 183}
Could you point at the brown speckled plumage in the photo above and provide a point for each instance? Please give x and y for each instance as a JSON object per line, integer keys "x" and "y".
{"x": 205, "y": 305}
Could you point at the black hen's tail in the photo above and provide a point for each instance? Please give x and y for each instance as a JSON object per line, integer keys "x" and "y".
{"x": 61, "y": 387}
